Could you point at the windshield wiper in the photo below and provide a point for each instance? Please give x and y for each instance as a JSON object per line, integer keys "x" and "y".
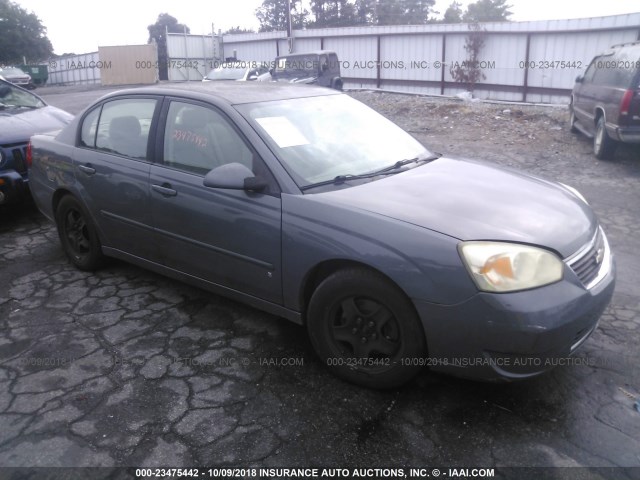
{"x": 401, "y": 163}
{"x": 390, "y": 170}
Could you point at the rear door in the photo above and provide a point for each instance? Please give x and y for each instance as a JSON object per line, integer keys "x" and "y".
{"x": 112, "y": 168}
{"x": 228, "y": 237}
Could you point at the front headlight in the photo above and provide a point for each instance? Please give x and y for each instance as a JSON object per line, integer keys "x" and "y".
{"x": 507, "y": 267}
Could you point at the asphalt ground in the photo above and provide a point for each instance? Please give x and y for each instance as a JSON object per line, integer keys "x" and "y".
{"x": 123, "y": 367}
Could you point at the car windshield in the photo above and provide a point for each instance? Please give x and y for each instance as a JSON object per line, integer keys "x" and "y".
{"x": 12, "y": 72}
{"x": 226, "y": 72}
{"x": 12, "y": 96}
{"x": 298, "y": 66}
{"x": 319, "y": 138}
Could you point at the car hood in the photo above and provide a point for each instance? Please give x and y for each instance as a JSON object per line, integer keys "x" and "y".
{"x": 17, "y": 125}
{"x": 472, "y": 200}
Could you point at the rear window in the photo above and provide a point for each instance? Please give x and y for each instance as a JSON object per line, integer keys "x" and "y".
{"x": 617, "y": 70}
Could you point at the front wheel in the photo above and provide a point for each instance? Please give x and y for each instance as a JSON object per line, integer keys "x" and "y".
{"x": 603, "y": 145}
{"x": 365, "y": 329}
{"x": 78, "y": 236}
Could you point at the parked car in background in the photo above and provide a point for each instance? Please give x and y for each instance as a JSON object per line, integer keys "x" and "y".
{"x": 310, "y": 205}
{"x": 605, "y": 101}
{"x": 22, "y": 114}
{"x": 320, "y": 68}
{"x": 17, "y": 77}
{"x": 243, "y": 71}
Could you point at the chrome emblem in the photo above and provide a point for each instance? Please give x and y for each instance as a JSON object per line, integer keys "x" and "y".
{"x": 599, "y": 255}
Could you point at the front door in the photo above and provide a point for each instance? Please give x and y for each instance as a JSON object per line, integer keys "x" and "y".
{"x": 228, "y": 237}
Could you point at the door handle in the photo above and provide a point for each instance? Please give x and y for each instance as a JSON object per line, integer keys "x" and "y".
{"x": 165, "y": 190}
{"x": 88, "y": 169}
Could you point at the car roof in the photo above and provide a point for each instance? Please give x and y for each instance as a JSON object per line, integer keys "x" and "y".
{"x": 315, "y": 52}
{"x": 233, "y": 93}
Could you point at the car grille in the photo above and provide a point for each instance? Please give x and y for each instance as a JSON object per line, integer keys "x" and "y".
{"x": 588, "y": 262}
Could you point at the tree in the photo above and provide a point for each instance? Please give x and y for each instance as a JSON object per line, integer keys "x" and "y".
{"x": 487, "y": 11}
{"x": 157, "y": 31}
{"x": 469, "y": 71}
{"x": 402, "y": 12}
{"x": 453, "y": 14}
{"x": 273, "y": 15}
{"x": 365, "y": 12}
{"x": 238, "y": 29}
{"x": 22, "y": 35}
{"x": 333, "y": 13}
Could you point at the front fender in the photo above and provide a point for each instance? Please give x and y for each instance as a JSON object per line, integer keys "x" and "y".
{"x": 423, "y": 263}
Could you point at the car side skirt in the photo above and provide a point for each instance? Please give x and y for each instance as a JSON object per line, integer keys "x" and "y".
{"x": 269, "y": 307}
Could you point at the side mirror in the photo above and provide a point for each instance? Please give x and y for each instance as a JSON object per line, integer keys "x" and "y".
{"x": 253, "y": 76}
{"x": 579, "y": 79}
{"x": 234, "y": 176}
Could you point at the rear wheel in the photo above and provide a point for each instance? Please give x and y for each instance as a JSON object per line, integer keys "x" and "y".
{"x": 365, "y": 329}
{"x": 603, "y": 145}
{"x": 78, "y": 235}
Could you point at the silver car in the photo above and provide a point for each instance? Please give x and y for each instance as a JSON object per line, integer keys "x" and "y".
{"x": 305, "y": 203}
{"x": 243, "y": 71}
{"x": 17, "y": 77}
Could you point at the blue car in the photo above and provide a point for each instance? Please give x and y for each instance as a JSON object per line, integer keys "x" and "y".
{"x": 22, "y": 114}
{"x": 306, "y": 203}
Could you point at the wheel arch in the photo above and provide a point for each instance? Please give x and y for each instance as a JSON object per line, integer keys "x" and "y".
{"x": 324, "y": 269}
{"x": 599, "y": 112}
{"x": 57, "y": 196}
{"x": 60, "y": 193}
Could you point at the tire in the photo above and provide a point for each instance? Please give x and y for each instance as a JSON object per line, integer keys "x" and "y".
{"x": 363, "y": 327}
{"x": 603, "y": 145}
{"x": 572, "y": 120}
{"x": 77, "y": 234}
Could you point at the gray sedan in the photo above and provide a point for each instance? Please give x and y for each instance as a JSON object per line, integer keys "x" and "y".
{"x": 305, "y": 203}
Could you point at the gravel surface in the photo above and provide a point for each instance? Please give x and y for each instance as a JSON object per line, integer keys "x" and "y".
{"x": 528, "y": 136}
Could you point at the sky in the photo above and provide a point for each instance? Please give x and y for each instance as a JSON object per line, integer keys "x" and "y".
{"x": 82, "y": 26}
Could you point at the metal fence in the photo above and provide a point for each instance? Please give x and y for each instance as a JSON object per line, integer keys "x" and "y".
{"x": 190, "y": 57}
{"x": 521, "y": 61}
{"x": 75, "y": 69}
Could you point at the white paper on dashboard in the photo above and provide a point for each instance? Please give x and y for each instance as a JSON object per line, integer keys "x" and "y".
{"x": 283, "y": 132}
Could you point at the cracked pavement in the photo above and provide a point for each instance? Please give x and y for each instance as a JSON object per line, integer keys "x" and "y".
{"x": 123, "y": 367}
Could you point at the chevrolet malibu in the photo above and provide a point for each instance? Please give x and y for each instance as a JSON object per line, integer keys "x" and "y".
{"x": 305, "y": 203}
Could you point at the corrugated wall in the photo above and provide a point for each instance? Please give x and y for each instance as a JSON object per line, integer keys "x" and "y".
{"x": 75, "y": 70}
{"x": 521, "y": 60}
{"x": 190, "y": 57}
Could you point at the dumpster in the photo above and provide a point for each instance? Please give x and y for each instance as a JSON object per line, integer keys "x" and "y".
{"x": 39, "y": 73}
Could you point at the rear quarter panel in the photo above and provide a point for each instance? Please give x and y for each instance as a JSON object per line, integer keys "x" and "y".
{"x": 51, "y": 170}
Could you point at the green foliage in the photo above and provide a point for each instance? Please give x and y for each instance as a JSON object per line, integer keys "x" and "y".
{"x": 402, "y": 12}
{"x": 238, "y": 29}
{"x": 273, "y": 15}
{"x": 158, "y": 32}
{"x": 21, "y": 35}
{"x": 453, "y": 14}
{"x": 469, "y": 72}
{"x": 487, "y": 11}
{"x": 333, "y": 13}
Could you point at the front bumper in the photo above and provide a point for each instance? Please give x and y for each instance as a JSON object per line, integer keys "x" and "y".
{"x": 517, "y": 335}
{"x": 13, "y": 187}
